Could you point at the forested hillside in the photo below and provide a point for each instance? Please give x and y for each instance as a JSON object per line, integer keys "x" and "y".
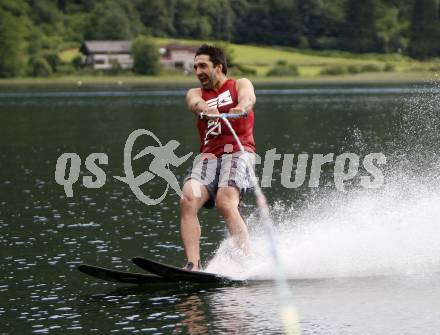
{"x": 33, "y": 32}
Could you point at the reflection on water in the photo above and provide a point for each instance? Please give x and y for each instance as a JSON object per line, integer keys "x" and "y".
{"x": 44, "y": 235}
{"x": 194, "y": 320}
{"x": 391, "y": 305}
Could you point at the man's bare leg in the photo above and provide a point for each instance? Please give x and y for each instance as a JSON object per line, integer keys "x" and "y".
{"x": 227, "y": 202}
{"x": 194, "y": 195}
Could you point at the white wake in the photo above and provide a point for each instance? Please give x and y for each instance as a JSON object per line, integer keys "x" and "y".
{"x": 393, "y": 230}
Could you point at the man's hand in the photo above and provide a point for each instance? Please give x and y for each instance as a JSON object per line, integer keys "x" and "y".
{"x": 209, "y": 111}
{"x": 236, "y": 110}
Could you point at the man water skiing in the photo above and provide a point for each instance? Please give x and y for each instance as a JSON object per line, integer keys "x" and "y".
{"x": 222, "y": 178}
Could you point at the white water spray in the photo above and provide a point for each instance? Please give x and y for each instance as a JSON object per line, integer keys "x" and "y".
{"x": 391, "y": 231}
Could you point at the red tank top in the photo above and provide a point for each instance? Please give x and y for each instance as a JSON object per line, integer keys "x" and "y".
{"x": 215, "y": 135}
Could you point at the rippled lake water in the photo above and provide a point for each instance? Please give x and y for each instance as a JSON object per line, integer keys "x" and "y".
{"x": 358, "y": 262}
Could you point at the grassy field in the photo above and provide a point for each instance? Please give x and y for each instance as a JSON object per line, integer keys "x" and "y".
{"x": 68, "y": 55}
{"x": 310, "y": 63}
{"x": 261, "y": 59}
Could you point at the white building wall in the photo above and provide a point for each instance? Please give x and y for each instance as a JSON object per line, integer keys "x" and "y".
{"x": 179, "y": 59}
{"x": 104, "y": 61}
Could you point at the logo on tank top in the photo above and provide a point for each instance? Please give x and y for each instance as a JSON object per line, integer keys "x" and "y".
{"x": 223, "y": 99}
{"x": 214, "y": 127}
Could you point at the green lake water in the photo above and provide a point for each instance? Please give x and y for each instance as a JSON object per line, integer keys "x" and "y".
{"x": 364, "y": 261}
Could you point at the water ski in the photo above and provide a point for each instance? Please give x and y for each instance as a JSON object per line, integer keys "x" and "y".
{"x": 119, "y": 276}
{"x": 173, "y": 273}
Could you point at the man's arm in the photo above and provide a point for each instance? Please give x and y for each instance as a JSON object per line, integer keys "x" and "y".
{"x": 246, "y": 96}
{"x": 197, "y": 105}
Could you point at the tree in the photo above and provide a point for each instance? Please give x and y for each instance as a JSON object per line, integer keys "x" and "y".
{"x": 405, "y": 7}
{"x": 157, "y": 15}
{"x": 285, "y": 22}
{"x": 12, "y": 41}
{"x": 76, "y": 6}
{"x": 425, "y": 31}
{"x": 186, "y": 17}
{"x": 39, "y": 67}
{"x": 194, "y": 18}
{"x": 114, "y": 20}
{"x": 145, "y": 56}
{"x": 273, "y": 22}
{"x": 360, "y": 34}
{"x": 45, "y": 12}
{"x": 240, "y": 10}
{"x": 391, "y": 30}
{"x": 114, "y": 25}
{"x": 220, "y": 17}
{"x": 311, "y": 23}
{"x": 328, "y": 24}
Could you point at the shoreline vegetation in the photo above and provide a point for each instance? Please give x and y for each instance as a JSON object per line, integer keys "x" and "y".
{"x": 255, "y": 63}
{"x": 189, "y": 80}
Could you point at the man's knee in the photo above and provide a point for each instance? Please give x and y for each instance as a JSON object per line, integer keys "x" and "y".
{"x": 193, "y": 196}
{"x": 189, "y": 202}
{"x": 227, "y": 201}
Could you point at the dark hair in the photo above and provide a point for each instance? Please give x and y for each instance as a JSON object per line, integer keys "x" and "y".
{"x": 216, "y": 56}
